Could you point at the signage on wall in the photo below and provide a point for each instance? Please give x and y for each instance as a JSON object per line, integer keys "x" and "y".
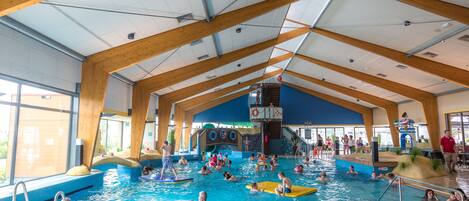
{"x": 308, "y": 134}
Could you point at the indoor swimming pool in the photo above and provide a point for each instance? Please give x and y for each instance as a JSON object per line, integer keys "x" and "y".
{"x": 341, "y": 186}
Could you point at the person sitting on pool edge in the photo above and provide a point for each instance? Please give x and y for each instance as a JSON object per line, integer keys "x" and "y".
{"x": 286, "y": 185}
{"x": 202, "y": 196}
{"x": 299, "y": 169}
{"x": 182, "y": 161}
{"x": 351, "y": 170}
{"x": 166, "y": 159}
{"x": 229, "y": 177}
{"x": 204, "y": 170}
{"x": 323, "y": 177}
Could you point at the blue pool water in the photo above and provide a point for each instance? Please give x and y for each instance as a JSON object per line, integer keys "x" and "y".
{"x": 341, "y": 187}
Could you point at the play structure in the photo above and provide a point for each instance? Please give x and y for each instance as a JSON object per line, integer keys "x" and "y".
{"x": 407, "y": 130}
{"x": 217, "y": 139}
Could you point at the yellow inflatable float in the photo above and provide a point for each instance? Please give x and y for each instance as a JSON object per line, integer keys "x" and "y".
{"x": 297, "y": 191}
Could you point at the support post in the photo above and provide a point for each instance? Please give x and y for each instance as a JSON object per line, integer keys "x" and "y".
{"x": 178, "y": 121}
{"x": 164, "y": 113}
{"x": 140, "y": 101}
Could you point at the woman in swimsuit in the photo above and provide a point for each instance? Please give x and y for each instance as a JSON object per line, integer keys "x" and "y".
{"x": 319, "y": 145}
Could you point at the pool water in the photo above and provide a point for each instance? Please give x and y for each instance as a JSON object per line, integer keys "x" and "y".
{"x": 341, "y": 186}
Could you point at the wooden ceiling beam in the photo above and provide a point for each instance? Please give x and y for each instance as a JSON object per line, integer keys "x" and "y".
{"x": 123, "y": 56}
{"x": 167, "y": 79}
{"x": 451, "y": 73}
{"x": 192, "y": 90}
{"x": 11, "y": 6}
{"x": 193, "y": 102}
{"x": 442, "y": 8}
{"x": 367, "y": 113}
{"x": 390, "y": 107}
{"x": 428, "y": 100}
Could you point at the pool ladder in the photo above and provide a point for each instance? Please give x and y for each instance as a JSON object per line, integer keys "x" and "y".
{"x": 62, "y": 195}
{"x": 25, "y": 191}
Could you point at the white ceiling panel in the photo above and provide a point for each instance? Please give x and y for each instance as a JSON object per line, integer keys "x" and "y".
{"x": 262, "y": 28}
{"x": 306, "y": 11}
{"x": 292, "y": 44}
{"x": 224, "y": 6}
{"x": 453, "y": 51}
{"x": 318, "y": 72}
{"x": 318, "y": 88}
{"x": 380, "y": 22}
{"x": 339, "y": 53}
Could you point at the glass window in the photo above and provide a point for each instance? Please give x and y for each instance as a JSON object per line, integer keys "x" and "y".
{"x": 126, "y": 136}
{"x": 114, "y": 136}
{"x": 7, "y": 123}
{"x": 149, "y": 136}
{"x": 43, "y": 138}
{"x": 44, "y": 98}
{"x": 384, "y": 136}
{"x": 8, "y": 91}
{"x": 360, "y": 132}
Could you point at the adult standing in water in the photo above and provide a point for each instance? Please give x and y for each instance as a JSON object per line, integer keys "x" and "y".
{"x": 166, "y": 159}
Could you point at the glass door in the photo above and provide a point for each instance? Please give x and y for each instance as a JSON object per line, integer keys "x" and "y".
{"x": 459, "y": 127}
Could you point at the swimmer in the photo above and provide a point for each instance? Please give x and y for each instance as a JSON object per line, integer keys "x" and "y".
{"x": 323, "y": 177}
{"x": 202, "y": 196}
{"x": 375, "y": 176}
{"x": 204, "y": 170}
{"x": 261, "y": 161}
{"x": 229, "y": 177}
{"x": 430, "y": 195}
{"x": 252, "y": 157}
{"x": 351, "y": 170}
{"x": 147, "y": 170}
{"x": 299, "y": 169}
{"x": 306, "y": 160}
{"x": 255, "y": 188}
{"x": 225, "y": 159}
{"x": 286, "y": 185}
{"x": 213, "y": 161}
{"x": 182, "y": 161}
{"x": 219, "y": 165}
{"x": 391, "y": 177}
{"x": 203, "y": 157}
{"x": 229, "y": 163}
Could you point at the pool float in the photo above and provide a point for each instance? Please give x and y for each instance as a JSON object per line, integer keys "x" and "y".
{"x": 165, "y": 179}
{"x": 297, "y": 191}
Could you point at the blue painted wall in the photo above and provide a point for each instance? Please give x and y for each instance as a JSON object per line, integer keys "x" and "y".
{"x": 236, "y": 110}
{"x": 299, "y": 107}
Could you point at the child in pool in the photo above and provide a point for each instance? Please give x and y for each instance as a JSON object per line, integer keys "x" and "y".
{"x": 299, "y": 169}
{"x": 213, "y": 161}
{"x": 261, "y": 161}
{"x": 252, "y": 157}
{"x": 375, "y": 176}
{"x": 182, "y": 161}
{"x": 204, "y": 171}
{"x": 286, "y": 185}
{"x": 229, "y": 163}
{"x": 202, "y": 196}
{"x": 306, "y": 160}
{"x": 255, "y": 188}
{"x": 229, "y": 177}
{"x": 147, "y": 170}
{"x": 219, "y": 165}
{"x": 351, "y": 170}
{"x": 323, "y": 177}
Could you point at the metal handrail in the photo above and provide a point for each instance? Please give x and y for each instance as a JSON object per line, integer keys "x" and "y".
{"x": 425, "y": 185}
{"x": 25, "y": 191}
{"x": 61, "y": 194}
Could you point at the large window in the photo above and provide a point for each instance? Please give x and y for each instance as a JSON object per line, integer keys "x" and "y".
{"x": 384, "y": 136}
{"x": 35, "y": 131}
{"x": 458, "y": 123}
{"x": 114, "y": 136}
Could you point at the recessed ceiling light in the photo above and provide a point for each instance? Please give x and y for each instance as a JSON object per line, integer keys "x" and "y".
{"x": 446, "y": 25}
{"x": 358, "y": 100}
{"x": 351, "y": 60}
{"x": 202, "y": 57}
{"x": 401, "y": 66}
{"x": 238, "y": 30}
{"x": 131, "y": 36}
{"x": 239, "y": 65}
{"x": 407, "y": 23}
{"x": 323, "y": 79}
{"x": 430, "y": 54}
{"x": 211, "y": 76}
{"x": 196, "y": 42}
{"x": 444, "y": 80}
{"x": 184, "y": 18}
{"x": 381, "y": 75}
{"x": 352, "y": 87}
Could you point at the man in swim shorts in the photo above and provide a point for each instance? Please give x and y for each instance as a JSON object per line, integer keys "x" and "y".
{"x": 166, "y": 159}
{"x": 286, "y": 185}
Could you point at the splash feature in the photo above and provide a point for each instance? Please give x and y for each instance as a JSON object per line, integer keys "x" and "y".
{"x": 407, "y": 130}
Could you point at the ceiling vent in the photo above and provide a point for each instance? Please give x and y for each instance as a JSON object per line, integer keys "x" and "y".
{"x": 202, "y": 57}
{"x": 464, "y": 38}
{"x": 381, "y": 75}
{"x": 131, "y": 36}
{"x": 430, "y": 54}
{"x": 184, "y": 18}
{"x": 196, "y": 42}
{"x": 216, "y": 89}
{"x": 401, "y": 66}
{"x": 211, "y": 76}
{"x": 352, "y": 87}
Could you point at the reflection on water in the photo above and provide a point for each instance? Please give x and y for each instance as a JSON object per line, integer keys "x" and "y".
{"x": 341, "y": 187}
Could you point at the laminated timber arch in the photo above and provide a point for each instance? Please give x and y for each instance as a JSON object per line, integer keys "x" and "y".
{"x": 97, "y": 67}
